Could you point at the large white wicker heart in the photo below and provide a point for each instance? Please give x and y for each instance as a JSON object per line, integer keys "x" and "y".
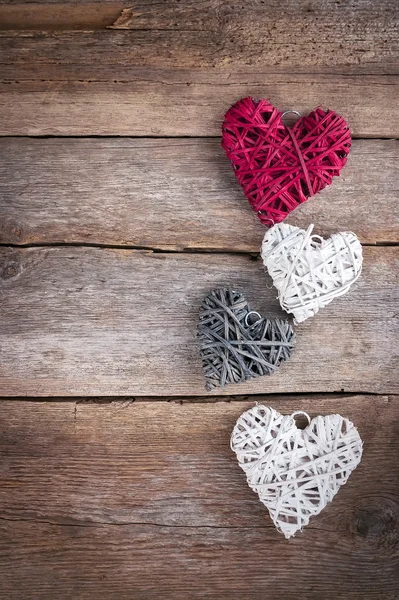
{"x": 295, "y": 472}
{"x": 309, "y": 271}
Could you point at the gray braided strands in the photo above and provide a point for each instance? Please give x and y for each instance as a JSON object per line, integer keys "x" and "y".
{"x": 237, "y": 344}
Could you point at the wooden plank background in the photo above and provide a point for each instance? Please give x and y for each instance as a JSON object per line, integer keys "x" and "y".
{"x": 124, "y": 500}
{"x": 143, "y": 186}
{"x": 105, "y": 322}
{"x": 173, "y": 68}
{"x": 118, "y": 213}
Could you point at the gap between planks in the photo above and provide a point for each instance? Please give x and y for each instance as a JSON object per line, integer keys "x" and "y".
{"x": 256, "y": 397}
{"x": 215, "y": 136}
{"x": 254, "y": 255}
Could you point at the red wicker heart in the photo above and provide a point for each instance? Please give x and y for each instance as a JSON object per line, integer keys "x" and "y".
{"x": 277, "y": 167}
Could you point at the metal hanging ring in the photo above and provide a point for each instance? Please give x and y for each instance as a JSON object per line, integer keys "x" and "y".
{"x": 252, "y": 312}
{"x": 300, "y": 412}
{"x": 287, "y": 112}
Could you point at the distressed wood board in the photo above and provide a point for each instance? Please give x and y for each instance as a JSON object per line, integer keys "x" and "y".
{"x": 64, "y": 101}
{"x": 146, "y": 499}
{"x": 174, "y": 194}
{"x": 137, "y": 494}
{"x": 218, "y": 33}
{"x": 174, "y": 71}
{"x": 90, "y": 321}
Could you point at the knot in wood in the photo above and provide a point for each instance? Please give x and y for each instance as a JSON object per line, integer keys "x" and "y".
{"x": 11, "y": 231}
{"x": 10, "y": 269}
{"x": 379, "y": 523}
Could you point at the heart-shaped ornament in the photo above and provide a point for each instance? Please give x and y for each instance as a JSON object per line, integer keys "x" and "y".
{"x": 309, "y": 271}
{"x": 237, "y": 343}
{"x": 295, "y": 472}
{"x": 280, "y": 167}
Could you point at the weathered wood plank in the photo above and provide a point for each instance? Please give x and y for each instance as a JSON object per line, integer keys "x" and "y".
{"x": 173, "y": 195}
{"x": 50, "y": 16}
{"x": 54, "y": 15}
{"x": 183, "y": 103}
{"x": 87, "y": 321}
{"x": 176, "y": 69}
{"x": 146, "y": 500}
{"x": 279, "y": 33}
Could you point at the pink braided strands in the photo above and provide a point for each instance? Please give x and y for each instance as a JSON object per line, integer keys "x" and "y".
{"x": 279, "y": 168}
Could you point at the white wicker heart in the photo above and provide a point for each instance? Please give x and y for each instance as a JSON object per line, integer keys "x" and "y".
{"x": 308, "y": 271}
{"x": 295, "y": 472}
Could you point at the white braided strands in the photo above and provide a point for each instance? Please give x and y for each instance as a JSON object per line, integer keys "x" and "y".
{"x": 295, "y": 472}
{"x": 308, "y": 271}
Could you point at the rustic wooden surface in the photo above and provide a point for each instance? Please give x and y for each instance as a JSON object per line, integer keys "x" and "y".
{"x": 107, "y": 246}
{"x": 80, "y": 100}
{"x": 104, "y": 321}
{"x": 173, "y": 68}
{"x": 124, "y": 500}
{"x": 142, "y": 185}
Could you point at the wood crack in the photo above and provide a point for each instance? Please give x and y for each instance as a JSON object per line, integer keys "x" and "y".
{"x": 134, "y": 523}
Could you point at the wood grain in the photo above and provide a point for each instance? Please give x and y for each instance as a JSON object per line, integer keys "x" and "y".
{"x": 173, "y": 195}
{"x": 307, "y": 34}
{"x": 89, "y": 16}
{"x": 142, "y": 498}
{"x": 52, "y": 16}
{"x": 145, "y": 500}
{"x": 154, "y": 102}
{"x": 87, "y": 321}
{"x": 174, "y": 71}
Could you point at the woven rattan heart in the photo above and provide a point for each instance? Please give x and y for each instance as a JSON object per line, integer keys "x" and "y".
{"x": 237, "y": 343}
{"x": 309, "y": 271}
{"x": 295, "y": 472}
{"x": 277, "y": 167}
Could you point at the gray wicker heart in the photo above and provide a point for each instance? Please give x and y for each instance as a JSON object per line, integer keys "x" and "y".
{"x": 295, "y": 472}
{"x": 237, "y": 343}
{"x": 308, "y": 271}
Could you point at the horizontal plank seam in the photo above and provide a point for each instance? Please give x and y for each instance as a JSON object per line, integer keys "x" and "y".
{"x": 160, "y": 249}
{"x": 128, "y": 400}
{"x": 233, "y": 398}
{"x": 153, "y": 137}
{"x": 271, "y": 71}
